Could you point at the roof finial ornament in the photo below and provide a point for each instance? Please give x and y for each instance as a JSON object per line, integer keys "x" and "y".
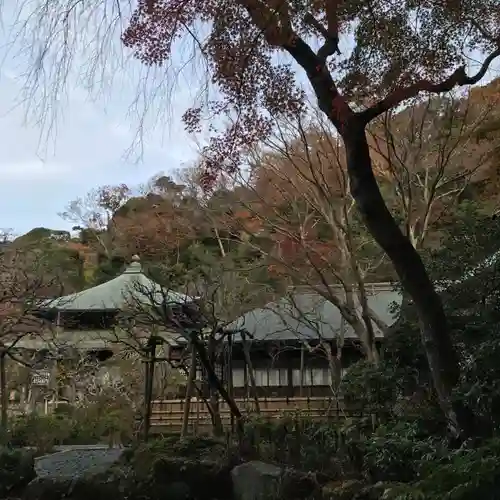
{"x": 135, "y": 265}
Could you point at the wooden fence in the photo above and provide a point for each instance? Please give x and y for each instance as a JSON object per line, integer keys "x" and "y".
{"x": 166, "y": 415}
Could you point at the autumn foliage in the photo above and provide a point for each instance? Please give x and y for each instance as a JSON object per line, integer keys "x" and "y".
{"x": 393, "y": 59}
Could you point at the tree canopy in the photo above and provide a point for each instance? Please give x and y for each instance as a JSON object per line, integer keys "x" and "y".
{"x": 372, "y": 56}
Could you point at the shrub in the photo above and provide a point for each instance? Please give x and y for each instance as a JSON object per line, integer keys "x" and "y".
{"x": 90, "y": 424}
{"x": 399, "y": 453}
{"x": 375, "y": 388}
{"x": 42, "y": 432}
{"x": 172, "y": 466}
{"x": 297, "y": 441}
{"x": 481, "y": 383}
{"x": 199, "y": 447}
{"x": 465, "y": 474}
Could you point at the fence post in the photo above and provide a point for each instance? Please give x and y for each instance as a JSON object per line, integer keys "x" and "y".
{"x": 148, "y": 385}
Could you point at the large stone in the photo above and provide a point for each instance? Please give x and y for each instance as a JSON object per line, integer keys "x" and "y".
{"x": 94, "y": 485}
{"x": 257, "y": 480}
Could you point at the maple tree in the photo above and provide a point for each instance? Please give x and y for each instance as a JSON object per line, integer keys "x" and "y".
{"x": 150, "y": 226}
{"x": 55, "y": 255}
{"x": 166, "y": 222}
{"x": 488, "y": 132}
{"x": 400, "y": 50}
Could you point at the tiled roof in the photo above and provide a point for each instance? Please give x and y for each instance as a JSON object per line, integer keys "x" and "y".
{"x": 307, "y": 315}
{"x": 129, "y": 287}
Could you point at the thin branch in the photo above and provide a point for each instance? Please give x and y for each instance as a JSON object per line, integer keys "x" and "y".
{"x": 458, "y": 78}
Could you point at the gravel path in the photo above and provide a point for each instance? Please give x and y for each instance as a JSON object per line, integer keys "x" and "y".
{"x": 76, "y": 462}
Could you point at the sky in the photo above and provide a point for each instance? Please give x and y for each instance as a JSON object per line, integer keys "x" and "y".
{"x": 43, "y": 168}
{"x": 90, "y": 146}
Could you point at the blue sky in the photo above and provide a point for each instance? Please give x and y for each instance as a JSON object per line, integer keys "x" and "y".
{"x": 90, "y": 145}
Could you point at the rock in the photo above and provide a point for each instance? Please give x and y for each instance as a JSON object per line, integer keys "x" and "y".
{"x": 17, "y": 469}
{"x": 96, "y": 487}
{"x": 257, "y": 480}
{"x": 77, "y": 462}
{"x": 45, "y": 488}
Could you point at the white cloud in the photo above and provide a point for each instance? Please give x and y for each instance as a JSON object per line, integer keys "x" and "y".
{"x": 32, "y": 171}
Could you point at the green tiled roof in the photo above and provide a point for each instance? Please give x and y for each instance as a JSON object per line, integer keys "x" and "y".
{"x": 127, "y": 288}
{"x": 309, "y": 316}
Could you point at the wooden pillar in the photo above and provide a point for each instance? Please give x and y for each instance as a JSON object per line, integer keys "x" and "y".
{"x": 3, "y": 388}
{"x": 291, "y": 388}
{"x": 230, "y": 376}
{"x": 301, "y": 369}
{"x": 148, "y": 389}
{"x": 189, "y": 392}
{"x": 250, "y": 372}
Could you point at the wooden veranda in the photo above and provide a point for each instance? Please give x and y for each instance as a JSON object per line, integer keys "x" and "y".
{"x": 166, "y": 415}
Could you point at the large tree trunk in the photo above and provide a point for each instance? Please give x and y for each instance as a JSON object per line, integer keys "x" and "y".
{"x": 215, "y": 383}
{"x": 443, "y": 361}
{"x": 442, "y": 358}
{"x": 251, "y": 372}
{"x": 3, "y": 389}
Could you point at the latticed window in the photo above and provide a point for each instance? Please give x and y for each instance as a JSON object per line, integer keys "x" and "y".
{"x": 220, "y": 372}
{"x": 219, "y": 369}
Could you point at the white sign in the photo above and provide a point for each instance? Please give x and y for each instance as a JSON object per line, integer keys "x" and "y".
{"x": 40, "y": 377}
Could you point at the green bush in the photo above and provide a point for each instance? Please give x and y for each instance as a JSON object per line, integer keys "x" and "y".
{"x": 199, "y": 447}
{"x": 481, "y": 384}
{"x": 42, "y": 432}
{"x": 107, "y": 418}
{"x": 298, "y": 442}
{"x": 463, "y": 475}
{"x": 399, "y": 453}
{"x": 374, "y": 388}
{"x": 91, "y": 424}
{"x": 173, "y": 467}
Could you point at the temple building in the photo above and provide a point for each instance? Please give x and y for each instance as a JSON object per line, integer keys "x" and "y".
{"x": 84, "y": 330}
{"x": 290, "y": 340}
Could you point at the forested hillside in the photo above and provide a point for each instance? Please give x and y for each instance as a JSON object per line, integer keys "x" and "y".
{"x": 289, "y": 218}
